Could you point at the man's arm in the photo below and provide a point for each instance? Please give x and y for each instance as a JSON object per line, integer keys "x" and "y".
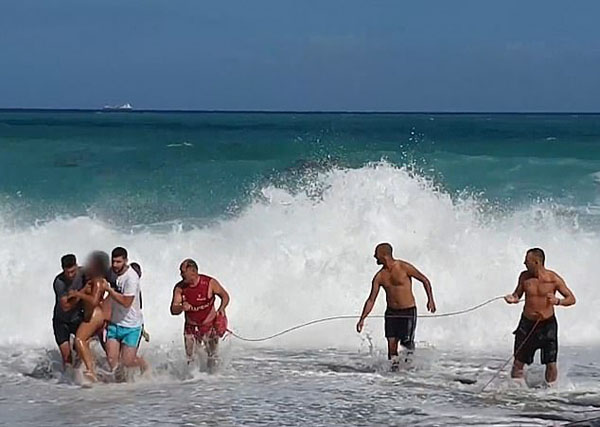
{"x": 66, "y": 301}
{"x": 561, "y": 287}
{"x": 94, "y": 296}
{"x": 515, "y": 297}
{"x": 131, "y": 287}
{"x": 124, "y": 300}
{"x": 414, "y": 272}
{"x": 220, "y": 291}
{"x": 369, "y": 303}
{"x": 177, "y": 302}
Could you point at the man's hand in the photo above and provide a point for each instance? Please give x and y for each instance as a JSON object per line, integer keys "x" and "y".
{"x": 431, "y": 306}
{"x": 511, "y": 299}
{"x": 72, "y": 293}
{"x": 360, "y": 325}
{"x": 186, "y": 306}
{"x": 552, "y": 299}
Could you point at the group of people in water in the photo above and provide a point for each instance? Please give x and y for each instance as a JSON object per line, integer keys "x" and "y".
{"x": 103, "y": 299}
{"x": 537, "y": 328}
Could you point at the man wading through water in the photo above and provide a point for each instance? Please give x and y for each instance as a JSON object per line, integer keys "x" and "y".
{"x": 538, "y": 328}
{"x": 395, "y": 277}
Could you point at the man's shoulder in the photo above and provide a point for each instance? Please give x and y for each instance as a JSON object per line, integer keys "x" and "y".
{"x": 179, "y": 285}
{"x": 131, "y": 275}
{"x": 128, "y": 279}
{"x": 401, "y": 266}
{"x": 525, "y": 275}
{"x": 59, "y": 281}
{"x": 554, "y": 276}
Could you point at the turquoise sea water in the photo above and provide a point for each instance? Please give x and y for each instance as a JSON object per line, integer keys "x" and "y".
{"x": 285, "y": 210}
{"x": 141, "y": 168}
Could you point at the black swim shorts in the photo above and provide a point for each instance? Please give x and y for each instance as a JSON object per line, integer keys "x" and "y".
{"x": 63, "y": 330}
{"x": 401, "y": 324}
{"x": 544, "y": 337}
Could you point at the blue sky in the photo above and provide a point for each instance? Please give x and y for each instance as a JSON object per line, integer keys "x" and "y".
{"x": 301, "y": 55}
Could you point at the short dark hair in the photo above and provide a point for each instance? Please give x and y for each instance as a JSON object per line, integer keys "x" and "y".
{"x": 137, "y": 268}
{"x": 538, "y": 253}
{"x": 384, "y": 248}
{"x": 189, "y": 263}
{"x": 119, "y": 252}
{"x": 68, "y": 261}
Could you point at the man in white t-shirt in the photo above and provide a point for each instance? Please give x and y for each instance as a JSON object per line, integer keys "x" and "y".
{"x": 125, "y": 328}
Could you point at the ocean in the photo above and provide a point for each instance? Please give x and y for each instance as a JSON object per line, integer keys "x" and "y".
{"x": 285, "y": 209}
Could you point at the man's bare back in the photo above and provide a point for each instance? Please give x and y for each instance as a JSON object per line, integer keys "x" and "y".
{"x": 397, "y": 283}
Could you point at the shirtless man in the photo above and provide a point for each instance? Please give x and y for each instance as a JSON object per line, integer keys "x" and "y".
{"x": 395, "y": 277}
{"x": 93, "y": 320}
{"x": 194, "y": 295}
{"x": 538, "y": 328}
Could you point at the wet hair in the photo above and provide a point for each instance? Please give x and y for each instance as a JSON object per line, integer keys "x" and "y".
{"x": 384, "y": 249}
{"x": 538, "y": 253}
{"x": 189, "y": 263}
{"x": 68, "y": 261}
{"x": 119, "y": 252}
{"x": 137, "y": 268}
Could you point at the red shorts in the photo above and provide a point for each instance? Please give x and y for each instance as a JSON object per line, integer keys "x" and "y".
{"x": 214, "y": 329}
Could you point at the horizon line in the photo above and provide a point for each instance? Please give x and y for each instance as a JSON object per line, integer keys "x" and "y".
{"x": 145, "y": 110}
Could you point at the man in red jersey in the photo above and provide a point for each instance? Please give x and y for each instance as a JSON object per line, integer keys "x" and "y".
{"x": 194, "y": 295}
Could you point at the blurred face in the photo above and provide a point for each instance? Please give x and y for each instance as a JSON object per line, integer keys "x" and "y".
{"x": 91, "y": 268}
{"x": 188, "y": 274}
{"x": 119, "y": 264}
{"x": 71, "y": 272}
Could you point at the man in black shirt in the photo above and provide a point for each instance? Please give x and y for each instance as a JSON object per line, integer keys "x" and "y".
{"x": 68, "y": 312}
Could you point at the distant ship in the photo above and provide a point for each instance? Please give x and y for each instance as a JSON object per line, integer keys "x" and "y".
{"x": 124, "y": 107}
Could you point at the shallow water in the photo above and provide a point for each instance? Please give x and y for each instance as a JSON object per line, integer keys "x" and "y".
{"x": 263, "y": 386}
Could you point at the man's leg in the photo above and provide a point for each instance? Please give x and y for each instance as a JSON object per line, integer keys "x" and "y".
{"x": 189, "y": 342}
{"x": 65, "y": 353}
{"x": 550, "y": 351}
{"x": 130, "y": 343}
{"x": 130, "y": 358}
{"x": 517, "y": 369}
{"x": 409, "y": 325}
{"x": 551, "y": 372}
{"x": 113, "y": 349}
{"x": 523, "y": 350}
{"x": 211, "y": 344}
{"x": 392, "y": 347}
{"x": 62, "y": 336}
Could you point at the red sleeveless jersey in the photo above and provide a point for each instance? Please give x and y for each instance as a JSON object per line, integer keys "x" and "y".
{"x": 197, "y": 297}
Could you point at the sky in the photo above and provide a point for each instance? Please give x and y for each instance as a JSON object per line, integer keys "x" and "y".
{"x": 301, "y": 55}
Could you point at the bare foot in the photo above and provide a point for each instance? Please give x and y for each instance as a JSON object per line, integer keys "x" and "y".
{"x": 90, "y": 376}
